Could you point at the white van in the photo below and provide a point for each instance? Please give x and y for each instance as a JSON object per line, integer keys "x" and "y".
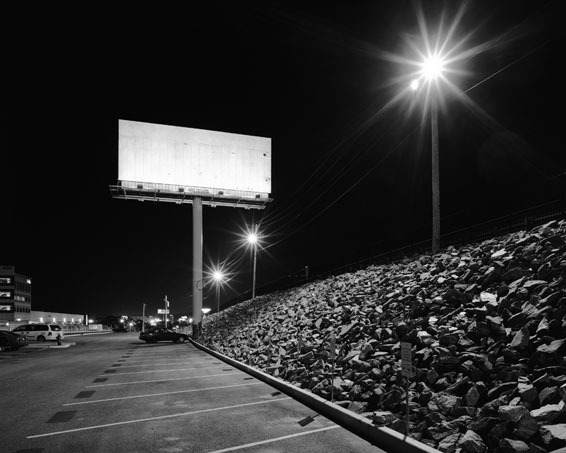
{"x": 40, "y": 332}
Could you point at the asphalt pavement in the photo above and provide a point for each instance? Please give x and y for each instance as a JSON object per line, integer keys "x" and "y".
{"x": 113, "y": 393}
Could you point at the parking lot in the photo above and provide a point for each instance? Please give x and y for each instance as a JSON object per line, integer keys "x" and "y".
{"x": 115, "y": 393}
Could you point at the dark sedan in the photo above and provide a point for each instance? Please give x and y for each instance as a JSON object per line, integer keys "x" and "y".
{"x": 155, "y": 335}
{"x": 12, "y": 340}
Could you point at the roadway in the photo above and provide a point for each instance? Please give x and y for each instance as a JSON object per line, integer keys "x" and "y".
{"x": 113, "y": 393}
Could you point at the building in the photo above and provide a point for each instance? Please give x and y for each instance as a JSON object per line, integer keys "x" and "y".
{"x": 15, "y": 304}
{"x": 15, "y": 295}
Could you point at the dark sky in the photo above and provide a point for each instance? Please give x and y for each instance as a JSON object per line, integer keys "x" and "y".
{"x": 350, "y": 170}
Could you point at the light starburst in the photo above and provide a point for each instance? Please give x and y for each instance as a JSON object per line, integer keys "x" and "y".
{"x": 434, "y": 57}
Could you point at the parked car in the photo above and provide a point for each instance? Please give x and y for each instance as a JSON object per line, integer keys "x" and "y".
{"x": 119, "y": 329}
{"x": 40, "y": 332}
{"x": 161, "y": 334}
{"x": 12, "y": 340}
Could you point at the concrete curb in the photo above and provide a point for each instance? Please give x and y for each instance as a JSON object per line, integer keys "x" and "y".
{"x": 49, "y": 346}
{"x": 385, "y": 438}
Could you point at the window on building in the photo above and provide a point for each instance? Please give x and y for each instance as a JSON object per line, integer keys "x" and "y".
{"x": 5, "y": 294}
{"x": 5, "y": 280}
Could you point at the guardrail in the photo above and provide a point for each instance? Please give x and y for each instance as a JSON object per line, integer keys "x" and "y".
{"x": 382, "y": 437}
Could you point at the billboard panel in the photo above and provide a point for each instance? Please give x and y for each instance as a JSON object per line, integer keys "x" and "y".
{"x": 180, "y": 158}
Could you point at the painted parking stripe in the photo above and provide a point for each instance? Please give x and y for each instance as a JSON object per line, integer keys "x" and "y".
{"x": 275, "y": 439}
{"x": 162, "y": 417}
{"x": 159, "y": 371}
{"x": 161, "y": 394}
{"x": 150, "y": 360}
{"x": 161, "y": 380}
{"x": 183, "y": 362}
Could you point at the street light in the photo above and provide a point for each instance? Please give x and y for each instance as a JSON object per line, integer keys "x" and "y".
{"x": 218, "y": 277}
{"x": 253, "y": 240}
{"x": 432, "y": 68}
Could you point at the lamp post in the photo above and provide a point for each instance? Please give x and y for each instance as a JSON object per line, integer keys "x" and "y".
{"x": 218, "y": 277}
{"x": 253, "y": 240}
{"x": 435, "y": 173}
{"x": 431, "y": 70}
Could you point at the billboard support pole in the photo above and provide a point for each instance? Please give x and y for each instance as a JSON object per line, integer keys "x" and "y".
{"x": 197, "y": 267}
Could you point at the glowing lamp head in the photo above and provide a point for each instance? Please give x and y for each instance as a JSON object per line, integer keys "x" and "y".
{"x": 218, "y": 276}
{"x": 252, "y": 238}
{"x": 432, "y": 67}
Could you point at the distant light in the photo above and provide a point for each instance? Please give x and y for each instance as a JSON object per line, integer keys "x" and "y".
{"x": 64, "y": 319}
{"x": 205, "y": 310}
{"x": 131, "y": 324}
{"x": 41, "y": 319}
{"x": 90, "y": 321}
{"x": 190, "y": 320}
{"x": 414, "y": 85}
{"x": 28, "y": 281}
{"x": 432, "y": 67}
{"x": 54, "y": 319}
{"x": 19, "y": 319}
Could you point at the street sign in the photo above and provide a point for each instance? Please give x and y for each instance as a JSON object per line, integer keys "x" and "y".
{"x": 406, "y": 359}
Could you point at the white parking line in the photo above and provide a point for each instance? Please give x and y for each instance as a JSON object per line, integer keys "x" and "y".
{"x": 158, "y": 380}
{"x": 159, "y": 356}
{"x": 161, "y": 394}
{"x": 162, "y": 417}
{"x": 158, "y": 371}
{"x": 184, "y": 361}
{"x": 275, "y": 439}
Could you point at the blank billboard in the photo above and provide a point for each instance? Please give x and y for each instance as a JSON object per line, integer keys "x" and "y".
{"x": 193, "y": 159}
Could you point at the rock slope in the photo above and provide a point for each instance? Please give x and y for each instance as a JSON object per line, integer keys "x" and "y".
{"x": 487, "y": 325}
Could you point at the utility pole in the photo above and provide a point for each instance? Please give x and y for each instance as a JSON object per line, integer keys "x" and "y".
{"x": 143, "y": 318}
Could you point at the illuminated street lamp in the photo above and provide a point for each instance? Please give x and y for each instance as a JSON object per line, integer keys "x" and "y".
{"x": 218, "y": 277}
{"x": 431, "y": 70}
{"x": 253, "y": 240}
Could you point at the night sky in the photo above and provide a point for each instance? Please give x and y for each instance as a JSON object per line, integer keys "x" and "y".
{"x": 350, "y": 154}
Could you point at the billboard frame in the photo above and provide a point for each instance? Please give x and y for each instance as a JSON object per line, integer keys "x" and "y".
{"x": 186, "y": 195}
